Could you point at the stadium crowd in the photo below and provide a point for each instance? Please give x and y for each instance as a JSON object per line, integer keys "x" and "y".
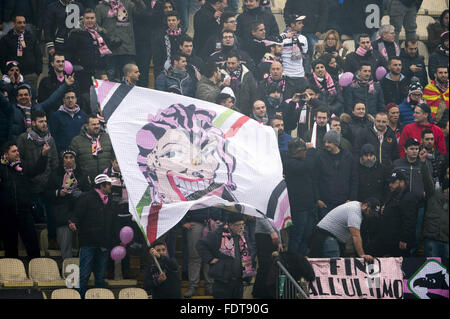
{"x": 362, "y": 134}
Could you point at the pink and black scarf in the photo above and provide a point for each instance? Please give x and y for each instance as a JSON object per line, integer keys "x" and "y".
{"x": 27, "y": 114}
{"x": 17, "y": 165}
{"x": 69, "y": 182}
{"x": 96, "y": 146}
{"x": 69, "y": 111}
{"x": 227, "y": 247}
{"x": 40, "y": 139}
{"x": 20, "y": 42}
{"x": 102, "y": 47}
{"x": 330, "y": 87}
{"x": 358, "y": 82}
{"x": 117, "y": 10}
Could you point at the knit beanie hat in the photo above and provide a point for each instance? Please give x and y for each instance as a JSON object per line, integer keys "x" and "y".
{"x": 415, "y": 86}
{"x": 333, "y": 136}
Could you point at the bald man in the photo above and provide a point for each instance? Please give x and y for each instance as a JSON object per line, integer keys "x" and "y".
{"x": 274, "y": 77}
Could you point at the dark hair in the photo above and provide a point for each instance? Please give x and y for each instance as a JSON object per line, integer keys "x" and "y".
{"x": 70, "y": 90}
{"x": 254, "y": 25}
{"x": 312, "y": 88}
{"x": 176, "y": 57}
{"x": 233, "y": 54}
{"x": 381, "y": 113}
{"x": 226, "y": 31}
{"x": 412, "y": 41}
{"x": 89, "y": 10}
{"x": 441, "y": 66}
{"x": 363, "y": 35}
{"x": 426, "y": 131}
{"x": 364, "y": 64}
{"x": 322, "y": 109}
{"x": 91, "y": 116}
{"x": 336, "y": 119}
{"x": 185, "y": 38}
{"x": 275, "y": 117}
{"x": 359, "y": 102}
{"x": 24, "y": 86}
{"x": 234, "y": 217}
{"x": 36, "y": 114}
{"x": 393, "y": 58}
{"x": 14, "y": 17}
{"x": 225, "y": 16}
{"x": 57, "y": 53}
{"x": 213, "y": 1}
{"x": 7, "y": 145}
{"x": 158, "y": 243}
{"x": 173, "y": 13}
{"x": 210, "y": 69}
{"x": 222, "y": 97}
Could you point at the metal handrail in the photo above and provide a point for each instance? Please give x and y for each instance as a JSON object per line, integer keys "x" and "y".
{"x": 293, "y": 288}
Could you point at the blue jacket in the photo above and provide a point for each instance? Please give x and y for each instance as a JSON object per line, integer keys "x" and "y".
{"x": 407, "y": 113}
{"x": 166, "y": 80}
{"x": 64, "y": 127}
{"x": 17, "y": 124}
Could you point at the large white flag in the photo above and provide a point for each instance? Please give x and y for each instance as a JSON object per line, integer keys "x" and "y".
{"x": 178, "y": 153}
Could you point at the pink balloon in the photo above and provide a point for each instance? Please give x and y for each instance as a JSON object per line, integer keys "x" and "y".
{"x": 126, "y": 234}
{"x": 346, "y": 79}
{"x": 380, "y": 73}
{"x": 68, "y": 67}
{"x": 118, "y": 253}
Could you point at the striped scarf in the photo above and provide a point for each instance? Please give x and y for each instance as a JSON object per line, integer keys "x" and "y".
{"x": 170, "y": 33}
{"x": 27, "y": 114}
{"x": 71, "y": 112}
{"x": 40, "y": 139}
{"x": 117, "y": 10}
{"x": 102, "y": 47}
{"x": 96, "y": 146}
{"x": 383, "y": 51}
{"x": 227, "y": 248}
{"x": 358, "y": 82}
{"x": 17, "y": 165}
{"x": 69, "y": 182}
{"x": 20, "y": 43}
{"x": 330, "y": 87}
{"x": 433, "y": 95}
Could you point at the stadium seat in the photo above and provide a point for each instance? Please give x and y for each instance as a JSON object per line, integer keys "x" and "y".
{"x": 13, "y": 275}
{"x": 45, "y": 251}
{"x": 133, "y": 293}
{"x": 65, "y": 293}
{"x": 99, "y": 293}
{"x": 45, "y": 273}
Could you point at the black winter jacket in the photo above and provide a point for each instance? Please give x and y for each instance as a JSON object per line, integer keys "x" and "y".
{"x": 374, "y": 58}
{"x": 374, "y": 102}
{"x": 204, "y": 25}
{"x": 299, "y": 176}
{"x": 387, "y": 152}
{"x": 31, "y": 59}
{"x": 94, "y": 220}
{"x": 15, "y": 194}
{"x": 373, "y": 182}
{"x": 337, "y": 177}
{"x": 394, "y": 91}
{"x": 435, "y": 225}
{"x": 64, "y": 206}
{"x": 245, "y": 20}
{"x": 407, "y": 61}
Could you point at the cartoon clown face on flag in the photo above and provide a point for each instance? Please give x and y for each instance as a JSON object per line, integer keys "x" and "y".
{"x": 179, "y": 153}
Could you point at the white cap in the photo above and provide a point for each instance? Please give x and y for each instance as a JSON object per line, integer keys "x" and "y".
{"x": 229, "y": 91}
{"x": 102, "y": 178}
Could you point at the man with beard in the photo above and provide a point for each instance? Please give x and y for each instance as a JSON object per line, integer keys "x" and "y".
{"x": 30, "y": 145}
{"x": 364, "y": 53}
{"x": 398, "y": 219}
{"x": 93, "y": 148}
{"x": 381, "y": 137}
{"x": 242, "y": 83}
{"x": 337, "y": 176}
{"x": 67, "y": 121}
{"x": 436, "y": 93}
{"x": 439, "y": 57}
{"x": 228, "y": 46}
{"x": 319, "y": 129}
{"x": 255, "y": 44}
{"x": 211, "y": 84}
{"x": 372, "y": 175}
{"x": 330, "y": 91}
{"x": 413, "y": 63}
{"x": 435, "y": 159}
{"x": 276, "y": 122}
{"x": 394, "y": 84}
